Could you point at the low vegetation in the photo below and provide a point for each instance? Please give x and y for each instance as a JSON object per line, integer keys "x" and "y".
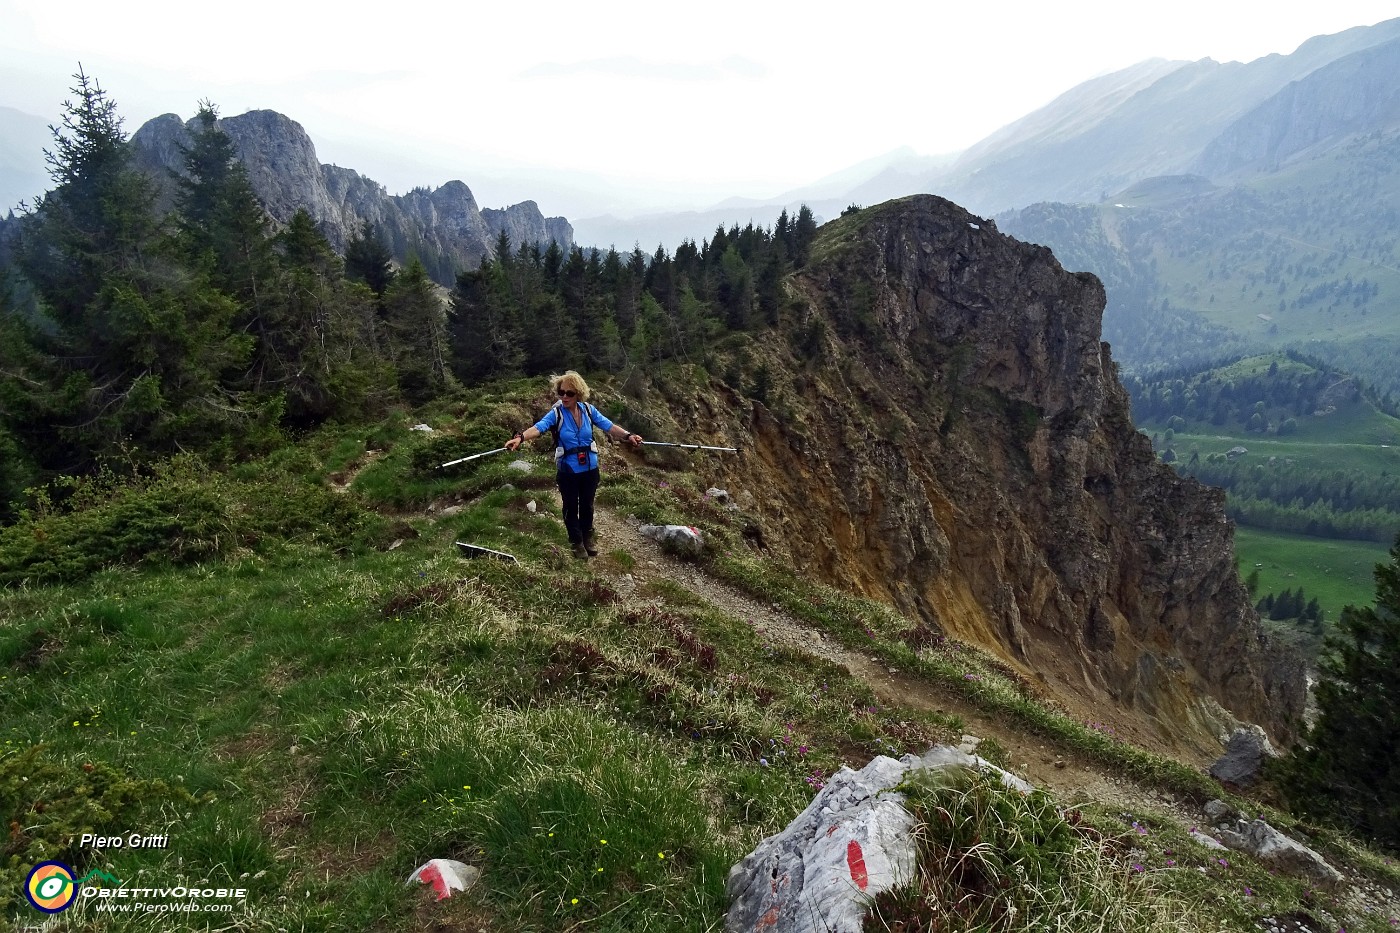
{"x": 312, "y": 715}
{"x": 233, "y": 618}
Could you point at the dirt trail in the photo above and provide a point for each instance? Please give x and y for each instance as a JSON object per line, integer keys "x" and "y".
{"x": 1067, "y": 777}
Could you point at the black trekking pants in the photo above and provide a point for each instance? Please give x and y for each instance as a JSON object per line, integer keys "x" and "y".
{"x": 577, "y": 491}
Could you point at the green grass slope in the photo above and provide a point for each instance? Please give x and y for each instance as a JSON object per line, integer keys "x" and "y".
{"x": 1337, "y": 573}
{"x": 289, "y": 671}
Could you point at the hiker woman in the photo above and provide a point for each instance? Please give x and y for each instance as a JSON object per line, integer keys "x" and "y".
{"x": 572, "y": 420}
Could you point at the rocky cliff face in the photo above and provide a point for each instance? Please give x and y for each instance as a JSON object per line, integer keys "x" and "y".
{"x": 445, "y": 223}
{"x": 965, "y": 451}
{"x": 1356, "y": 94}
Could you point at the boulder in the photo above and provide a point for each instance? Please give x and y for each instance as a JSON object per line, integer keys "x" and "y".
{"x": 1210, "y": 842}
{"x": 678, "y": 539}
{"x": 1272, "y": 847}
{"x": 722, "y": 497}
{"x": 1244, "y": 757}
{"x": 853, "y": 842}
{"x": 1220, "y": 813}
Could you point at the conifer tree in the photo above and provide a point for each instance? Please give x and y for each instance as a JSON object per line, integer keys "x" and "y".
{"x": 329, "y": 357}
{"x": 1313, "y": 611}
{"x": 552, "y": 264}
{"x": 368, "y": 260}
{"x": 782, "y": 233}
{"x": 770, "y": 288}
{"x": 135, "y": 347}
{"x": 734, "y": 289}
{"x": 803, "y": 233}
{"x": 225, "y": 227}
{"x": 483, "y": 328}
{"x": 417, "y": 326}
{"x": 226, "y": 234}
{"x": 1350, "y": 766}
{"x": 645, "y": 347}
{"x": 304, "y": 246}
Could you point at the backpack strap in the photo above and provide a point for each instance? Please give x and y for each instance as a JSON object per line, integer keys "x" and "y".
{"x": 589, "y": 415}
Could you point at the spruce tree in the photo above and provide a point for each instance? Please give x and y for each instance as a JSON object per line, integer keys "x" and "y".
{"x": 330, "y": 355}
{"x": 1350, "y": 765}
{"x": 224, "y": 225}
{"x": 484, "y": 326}
{"x": 803, "y": 233}
{"x": 417, "y": 326}
{"x": 368, "y": 260}
{"x": 734, "y": 289}
{"x": 98, "y": 218}
{"x": 135, "y": 347}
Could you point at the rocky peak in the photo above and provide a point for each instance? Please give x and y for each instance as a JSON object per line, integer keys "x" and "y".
{"x": 446, "y": 227}
{"x": 524, "y": 223}
{"x": 966, "y": 452}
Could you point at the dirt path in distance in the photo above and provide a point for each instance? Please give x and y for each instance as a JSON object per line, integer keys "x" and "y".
{"x": 1065, "y": 775}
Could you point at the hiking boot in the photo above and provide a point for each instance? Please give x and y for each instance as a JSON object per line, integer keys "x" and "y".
{"x": 579, "y": 550}
{"x": 590, "y": 544}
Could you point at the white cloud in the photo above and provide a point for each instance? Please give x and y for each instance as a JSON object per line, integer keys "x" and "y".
{"x": 632, "y": 68}
{"x": 729, "y": 98}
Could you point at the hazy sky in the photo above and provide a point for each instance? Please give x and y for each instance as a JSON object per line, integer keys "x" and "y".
{"x": 676, "y": 104}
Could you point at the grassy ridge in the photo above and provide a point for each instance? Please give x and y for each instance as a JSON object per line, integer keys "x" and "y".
{"x": 311, "y": 717}
{"x": 328, "y": 718}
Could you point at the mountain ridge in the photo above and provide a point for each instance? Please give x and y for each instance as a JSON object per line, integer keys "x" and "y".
{"x": 1357, "y": 93}
{"x": 1157, "y": 129}
{"x": 444, "y": 227}
{"x": 985, "y": 475}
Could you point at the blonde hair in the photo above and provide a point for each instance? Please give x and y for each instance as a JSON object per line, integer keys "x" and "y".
{"x": 575, "y": 382}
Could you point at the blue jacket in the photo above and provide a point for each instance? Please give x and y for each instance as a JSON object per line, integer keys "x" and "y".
{"x": 572, "y": 436}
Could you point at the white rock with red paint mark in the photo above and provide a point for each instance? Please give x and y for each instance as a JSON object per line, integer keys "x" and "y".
{"x": 445, "y": 876}
{"x": 679, "y": 539}
{"x": 851, "y": 843}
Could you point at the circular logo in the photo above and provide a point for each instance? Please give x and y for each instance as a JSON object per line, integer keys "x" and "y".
{"x": 50, "y": 887}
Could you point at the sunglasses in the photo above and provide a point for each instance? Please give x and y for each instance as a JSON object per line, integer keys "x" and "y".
{"x": 569, "y": 392}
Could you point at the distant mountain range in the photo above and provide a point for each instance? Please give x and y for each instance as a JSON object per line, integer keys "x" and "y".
{"x": 1155, "y": 118}
{"x": 1282, "y": 230}
{"x": 1226, "y": 206}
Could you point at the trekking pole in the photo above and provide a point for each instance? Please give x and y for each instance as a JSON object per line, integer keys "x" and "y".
{"x": 732, "y": 450}
{"x": 472, "y": 457}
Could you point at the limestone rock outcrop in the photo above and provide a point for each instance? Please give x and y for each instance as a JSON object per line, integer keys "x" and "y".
{"x": 1273, "y": 848}
{"x": 965, "y": 451}
{"x": 1244, "y": 757}
{"x": 444, "y": 223}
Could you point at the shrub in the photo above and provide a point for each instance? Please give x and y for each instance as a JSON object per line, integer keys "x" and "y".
{"x": 49, "y": 804}
{"x": 993, "y": 859}
{"x": 179, "y": 514}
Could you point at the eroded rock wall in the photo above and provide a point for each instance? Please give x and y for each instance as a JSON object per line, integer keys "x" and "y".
{"x": 287, "y": 176}
{"x": 958, "y": 444}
